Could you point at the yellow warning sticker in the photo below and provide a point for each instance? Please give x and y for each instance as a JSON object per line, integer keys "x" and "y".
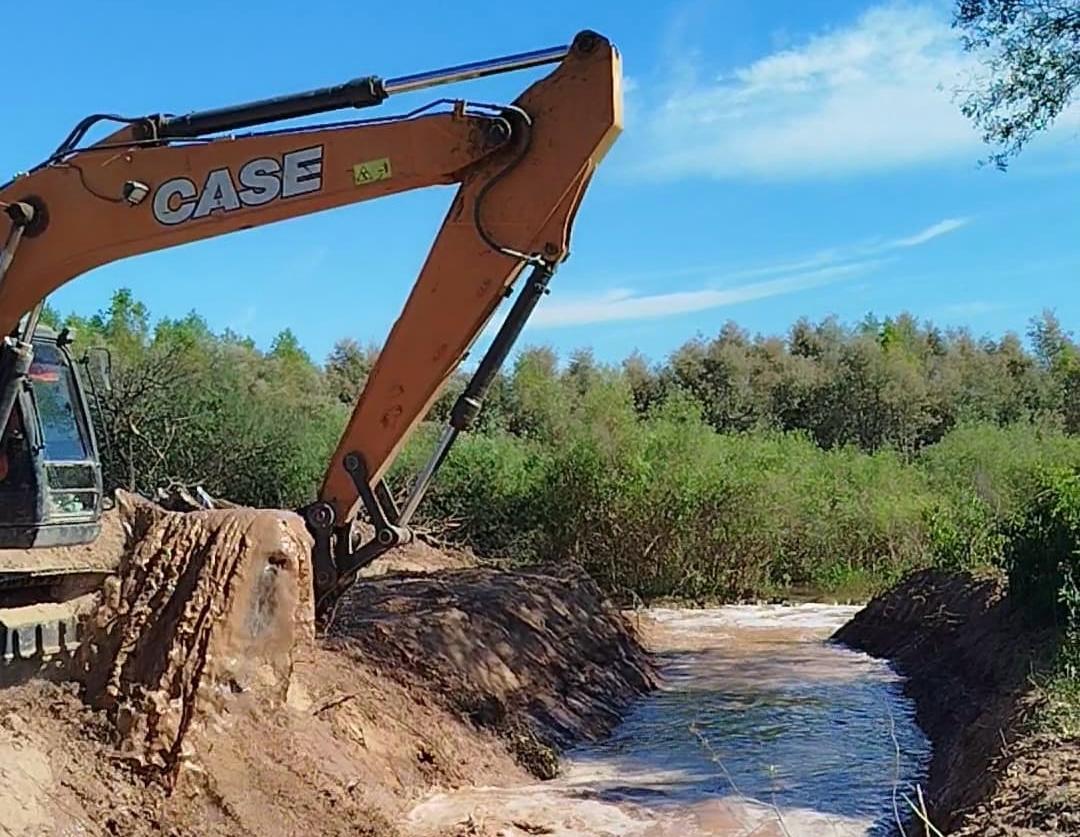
{"x": 371, "y": 171}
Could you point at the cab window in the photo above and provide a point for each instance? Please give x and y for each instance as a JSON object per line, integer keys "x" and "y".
{"x": 54, "y": 393}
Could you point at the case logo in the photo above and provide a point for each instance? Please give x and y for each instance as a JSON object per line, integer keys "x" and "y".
{"x": 258, "y": 182}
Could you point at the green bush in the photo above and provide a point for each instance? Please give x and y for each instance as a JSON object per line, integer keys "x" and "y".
{"x": 1042, "y": 554}
{"x": 484, "y": 493}
{"x": 984, "y": 478}
{"x": 1000, "y": 466}
{"x": 665, "y": 506}
{"x": 1042, "y": 558}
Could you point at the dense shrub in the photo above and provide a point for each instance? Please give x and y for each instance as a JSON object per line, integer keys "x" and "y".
{"x": 1042, "y": 558}
{"x": 983, "y": 479}
{"x": 666, "y": 506}
{"x": 1042, "y": 554}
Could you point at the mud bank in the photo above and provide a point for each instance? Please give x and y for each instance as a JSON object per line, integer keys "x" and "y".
{"x": 217, "y": 712}
{"x": 535, "y": 656}
{"x": 968, "y": 655}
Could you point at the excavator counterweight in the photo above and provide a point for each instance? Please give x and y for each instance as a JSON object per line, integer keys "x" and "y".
{"x": 162, "y": 180}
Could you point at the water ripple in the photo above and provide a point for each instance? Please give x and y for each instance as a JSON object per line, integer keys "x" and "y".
{"x": 770, "y": 711}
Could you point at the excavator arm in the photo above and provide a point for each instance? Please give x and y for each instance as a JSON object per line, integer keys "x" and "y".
{"x": 163, "y": 181}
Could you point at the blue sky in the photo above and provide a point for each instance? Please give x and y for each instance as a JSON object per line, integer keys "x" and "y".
{"x": 779, "y": 159}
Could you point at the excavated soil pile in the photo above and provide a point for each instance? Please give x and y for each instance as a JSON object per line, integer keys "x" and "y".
{"x": 209, "y": 708}
{"x": 539, "y": 656}
{"x": 206, "y": 607}
{"x": 968, "y": 655}
{"x": 349, "y": 754}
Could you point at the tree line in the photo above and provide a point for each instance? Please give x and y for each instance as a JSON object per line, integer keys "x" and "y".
{"x": 191, "y": 406}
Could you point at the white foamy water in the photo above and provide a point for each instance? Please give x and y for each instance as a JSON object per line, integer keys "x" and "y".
{"x": 815, "y": 617}
{"x": 761, "y": 727}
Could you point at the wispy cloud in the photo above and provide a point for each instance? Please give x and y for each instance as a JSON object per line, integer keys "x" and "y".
{"x": 824, "y": 268}
{"x": 622, "y": 304}
{"x": 941, "y": 228}
{"x": 821, "y": 258}
{"x": 875, "y": 94}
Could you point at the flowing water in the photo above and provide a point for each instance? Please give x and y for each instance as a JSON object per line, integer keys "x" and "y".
{"x": 761, "y": 727}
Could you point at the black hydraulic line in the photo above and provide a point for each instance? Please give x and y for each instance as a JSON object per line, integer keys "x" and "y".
{"x": 79, "y": 131}
{"x": 15, "y": 360}
{"x": 16, "y": 351}
{"x": 468, "y": 405}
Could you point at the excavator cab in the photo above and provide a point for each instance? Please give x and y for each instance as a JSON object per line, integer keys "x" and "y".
{"x": 50, "y": 472}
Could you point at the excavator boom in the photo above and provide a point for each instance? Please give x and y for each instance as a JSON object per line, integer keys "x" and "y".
{"x": 161, "y": 181}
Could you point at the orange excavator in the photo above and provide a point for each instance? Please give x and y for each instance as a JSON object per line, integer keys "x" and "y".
{"x": 162, "y": 180}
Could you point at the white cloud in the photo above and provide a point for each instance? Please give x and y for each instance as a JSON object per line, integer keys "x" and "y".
{"x": 873, "y": 95}
{"x": 941, "y": 228}
{"x": 625, "y": 305}
{"x": 823, "y": 268}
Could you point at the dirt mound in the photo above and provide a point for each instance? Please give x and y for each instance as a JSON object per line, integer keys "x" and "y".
{"x": 968, "y": 654}
{"x": 417, "y": 557}
{"x": 349, "y": 752}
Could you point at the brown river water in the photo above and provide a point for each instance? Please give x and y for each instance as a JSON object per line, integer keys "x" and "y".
{"x": 761, "y": 727}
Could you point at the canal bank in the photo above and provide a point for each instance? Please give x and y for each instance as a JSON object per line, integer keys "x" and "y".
{"x": 970, "y": 659}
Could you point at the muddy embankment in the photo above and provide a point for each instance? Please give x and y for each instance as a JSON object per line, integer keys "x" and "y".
{"x": 969, "y": 654}
{"x": 207, "y": 705}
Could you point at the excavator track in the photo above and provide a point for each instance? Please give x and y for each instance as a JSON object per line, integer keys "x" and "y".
{"x": 44, "y": 595}
{"x": 41, "y": 639}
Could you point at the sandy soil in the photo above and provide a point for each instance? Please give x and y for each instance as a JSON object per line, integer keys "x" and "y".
{"x": 968, "y": 655}
{"x": 210, "y": 709}
{"x": 346, "y": 755}
{"x": 419, "y": 557}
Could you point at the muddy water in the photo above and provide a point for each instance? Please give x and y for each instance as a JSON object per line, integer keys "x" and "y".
{"x": 761, "y": 727}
